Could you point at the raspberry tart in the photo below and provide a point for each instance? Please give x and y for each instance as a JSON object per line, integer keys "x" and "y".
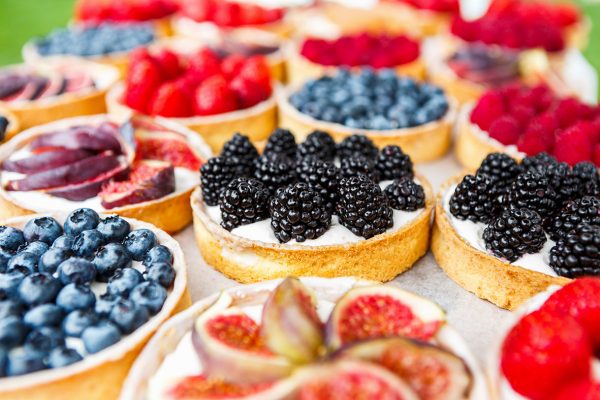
{"x": 140, "y": 168}
{"x": 293, "y": 211}
{"x": 321, "y": 354}
{"x": 510, "y": 230}
{"x": 80, "y": 296}
{"x": 388, "y": 108}
{"x": 9, "y": 125}
{"x": 42, "y": 93}
{"x": 199, "y": 89}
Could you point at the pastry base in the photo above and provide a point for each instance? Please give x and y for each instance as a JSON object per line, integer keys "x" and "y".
{"x": 380, "y": 258}
{"x": 100, "y": 376}
{"x": 488, "y": 277}
{"x": 13, "y": 123}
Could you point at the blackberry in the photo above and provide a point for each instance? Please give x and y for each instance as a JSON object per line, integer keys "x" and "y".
{"x": 274, "y": 171}
{"x": 281, "y": 142}
{"x": 323, "y": 177}
{"x": 356, "y": 145}
{"x": 392, "y": 163}
{"x": 298, "y": 212}
{"x": 500, "y": 169}
{"x": 243, "y": 201}
{"x": 240, "y": 148}
{"x": 215, "y": 174}
{"x": 583, "y": 210}
{"x": 562, "y": 180}
{"x": 318, "y": 144}
{"x": 540, "y": 160}
{"x": 515, "y": 232}
{"x": 532, "y": 190}
{"x": 475, "y": 198}
{"x": 405, "y": 195}
{"x": 578, "y": 253}
{"x": 362, "y": 207}
{"x": 356, "y": 165}
{"x": 588, "y": 178}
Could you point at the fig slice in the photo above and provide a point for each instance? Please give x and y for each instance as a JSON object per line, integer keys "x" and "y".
{"x": 433, "y": 373}
{"x": 33, "y": 87}
{"x": 370, "y": 312}
{"x": 56, "y": 86}
{"x": 45, "y": 160}
{"x": 166, "y": 146}
{"x": 148, "y": 180}
{"x": 95, "y": 138}
{"x": 200, "y": 387}
{"x": 88, "y": 189}
{"x": 290, "y": 324}
{"x": 229, "y": 344}
{"x": 78, "y": 80}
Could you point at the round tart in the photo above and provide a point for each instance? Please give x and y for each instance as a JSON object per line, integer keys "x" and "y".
{"x": 421, "y": 18}
{"x": 57, "y": 337}
{"x": 303, "y": 359}
{"x": 9, "y": 124}
{"x": 57, "y": 89}
{"x": 510, "y": 230}
{"x": 140, "y": 169}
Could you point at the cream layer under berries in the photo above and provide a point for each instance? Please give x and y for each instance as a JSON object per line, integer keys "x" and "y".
{"x": 353, "y": 339}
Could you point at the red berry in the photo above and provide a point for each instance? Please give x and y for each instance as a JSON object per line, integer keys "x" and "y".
{"x": 573, "y": 144}
{"x": 170, "y": 101}
{"x": 202, "y": 65}
{"x": 583, "y": 390}
{"x": 489, "y": 108}
{"x": 143, "y": 78}
{"x": 248, "y": 92}
{"x": 505, "y": 129}
{"x": 523, "y": 114}
{"x": 568, "y": 111}
{"x": 256, "y": 69}
{"x": 597, "y": 154}
{"x": 168, "y": 62}
{"x": 232, "y": 65}
{"x": 214, "y": 96}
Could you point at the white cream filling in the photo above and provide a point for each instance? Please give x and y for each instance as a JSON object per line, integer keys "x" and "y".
{"x": 472, "y": 233}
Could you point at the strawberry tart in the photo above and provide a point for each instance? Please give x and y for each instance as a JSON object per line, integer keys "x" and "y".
{"x": 345, "y": 339}
{"x": 509, "y": 230}
{"x": 521, "y": 121}
{"x": 211, "y": 94}
{"x": 138, "y": 168}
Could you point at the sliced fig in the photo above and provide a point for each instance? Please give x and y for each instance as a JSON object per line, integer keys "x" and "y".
{"x": 148, "y": 180}
{"x": 56, "y": 86}
{"x": 95, "y": 138}
{"x": 88, "y": 189}
{"x": 166, "y": 146}
{"x": 290, "y": 324}
{"x": 31, "y": 90}
{"x": 45, "y": 161}
{"x": 230, "y": 347}
{"x": 78, "y": 80}
{"x": 200, "y": 387}
{"x": 433, "y": 373}
{"x": 11, "y": 85}
{"x": 370, "y": 312}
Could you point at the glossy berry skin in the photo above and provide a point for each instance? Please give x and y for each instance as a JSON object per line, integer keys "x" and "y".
{"x": 139, "y": 242}
{"x": 5, "y": 256}
{"x": 281, "y": 142}
{"x": 12, "y": 332}
{"x": 582, "y": 210}
{"x": 113, "y": 228}
{"x": 150, "y": 295}
{"x": 240, "y": 148}
{"x": 11, "y": 238}
{"x": 62, "y": 356}
{"x": 9, "y": 284}
{"x": 109, "y": 259}
{"x": 321, "y": 176}
{"x": 158, "y": 254}
{"x": 51, "y": 259}
{"x": 24, "y": 262}
{"x": 63, "y": 242}
{"x": 77, "y": 321}
{"x": 406, "y": 195}
{"x": 215, "y": 175}
{"x": 393, "y": 163}
{"x": 39, "y": 288}
{"x": 355, "y": 145}
{"x": 44, "y": 315}
{"x": 44, "y": 229}
{"x": 87, "y": 243}
{"x": 76, "y": 270}
{"x": 3, "y": 362}
{"x": 123, "y": 281}
{"x": 161, "y": 273}
{"x": 44, "y": 339}
{"x": 21, "y": 362}
{"x": 105, "y": 303}
{"x": 99, "y": 337}
{"x": 578, "y": 253}
{"x": 75, "y": 297}
{"x": 243, "y": 201}
{"x": 274, "y": 170}
{"x": 500, "y": 169}
{"x": 10, "y": 307}
{"x": 317, "y": 144}
{"x": 475, "y": 198}
{"x": 80, "y": 220}
{"x": 128, "y": 316}
{"x": 533, "y": 190}
{"x": 38, "y": 248}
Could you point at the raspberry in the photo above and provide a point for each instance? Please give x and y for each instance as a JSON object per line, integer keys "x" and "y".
{"x": 523, "y": 115}
{"x": 143, "y": 78}
{"x": 505, "y": 129}
{"x": 573, "y": 144}
{"x": 567, "y": 111}
{"x": 539, "y": 135}
{"x": 170, "y": 101}
{"x": 168, "y": 62}
{"x": 489, "y": 108}
{"x": 597, "y": 154}
{"x": 544, "y": 352}
{"x": 213, "y": 96}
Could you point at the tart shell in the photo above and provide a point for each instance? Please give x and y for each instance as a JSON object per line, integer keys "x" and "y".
{"x": 380, "y": 258}
{"x": 13, "y": 123}
{"x": 504, "y": 284}
{"x": 100, "y": 376}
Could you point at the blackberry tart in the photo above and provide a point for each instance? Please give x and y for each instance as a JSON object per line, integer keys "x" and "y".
{"x": 76, "y": 312}
{"x": 309, "y": 216}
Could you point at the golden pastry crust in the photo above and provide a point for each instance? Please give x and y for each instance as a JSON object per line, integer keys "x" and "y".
{"x": 100, "y": 376}
{"x": 488, "y": 277}
{"x": 380, "y": 258}
{"x": 13, "y": 123}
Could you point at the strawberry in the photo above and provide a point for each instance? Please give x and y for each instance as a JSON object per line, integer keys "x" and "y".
{"x": 227, "y": 14}
{"x": 231, "y": 65}
{"x": 256, "y": 69}
{"x": 198, "y": 10}
{"x": 544, "y": 352}
{"x": 143, "y": 77}
{"x": 505, "y": 129}
{"x": 170, "y": 101}
{"x": 139, "y": 54}
{"x": 573, "y": 144}
{"x": 168, "y": 62}
{"x": 214, "y": 96}
{"x": 489, "y": 108}
{"x": 249, "y": 92}
{"x": 582, "y": 390}
{"x": 202, "y": 65}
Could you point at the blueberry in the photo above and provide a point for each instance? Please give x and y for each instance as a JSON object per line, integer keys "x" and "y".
{"x": 44, "y": 315}
{"x": 150, "y": 295}
{"x": 76, "y": 321}
{"x": 39, "y": 288}
{"x": 128, "y": 316}
{"x": 161, "y": 273}
{"x": 123, "y": 281}
{"x": 76, "y": 270}
{"x": 44, "y": 229}
{"x": 138, "y": 243}
{"x": 12, "y": 332}
{"x": 44, "y": 339}
{"x": 11, "y": 238}
{"x": 105, "y": 304}
{"x": 5, "y": 256}
{"x": 9, "y": 284}
{"x": 63, "y": 242}
{"x": 113, "y": 228}
{"x": 80, "y": 220}
{"x": 23, "y": 262}
{"x": 10, "y": 307}
{"x": 109, "y": 259}
{"x": 75, "y": 297}
{"x": 51, "y": 259}
{"x": 3, "y": 362}
{"x": 99, "y": 337}
{"x": 87, "y": 243}
{"x": 38, "y": 248}
{"x": 156, "y": 254}
{"x": 21, "y": 362}
{"x": 63, "y": 356}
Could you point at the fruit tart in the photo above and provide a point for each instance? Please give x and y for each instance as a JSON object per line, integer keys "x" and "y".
{"x": 345, "y": 339}
{"x": 80, "y": 294}
{"x": 139, "y": 169}
{"x": 200, "y": 89}
{"x": 510, "y": 230}
{"x": 9, "y": 124}
{"x": 388, "y": 108}
{"x": 520, "y": 121}
{"x": 550, "y": 348}
{"x": 313, "y": 57}
{"x": 311, "y": 209}
{"x": 44, "y": 92}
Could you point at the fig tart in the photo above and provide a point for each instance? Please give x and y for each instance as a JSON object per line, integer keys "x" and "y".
{"x": 44, "y": 92}
{"x": 81, "y": 294}
{"x": 312, "y": 209}
{"x": 345, "y": 338}
{"x": 510, "y": 230}
{"x": 140, "y": 168}
{"x": 9, "y": 124}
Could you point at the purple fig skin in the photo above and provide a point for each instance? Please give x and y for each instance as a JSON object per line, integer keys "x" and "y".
{"x": 55, "y": 87}
{"x": 45, "y": 161}
{"x": 86, "y": 137}
{"x": 87, "y": 190}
